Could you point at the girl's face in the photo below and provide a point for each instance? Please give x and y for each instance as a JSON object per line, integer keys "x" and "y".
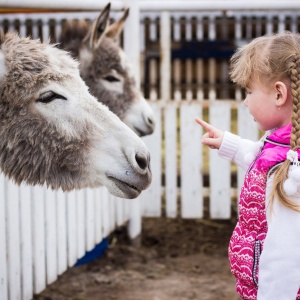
{"x": 267, "y": 106}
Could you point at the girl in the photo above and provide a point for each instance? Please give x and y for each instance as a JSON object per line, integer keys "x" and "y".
{"x": 264, "y": 250}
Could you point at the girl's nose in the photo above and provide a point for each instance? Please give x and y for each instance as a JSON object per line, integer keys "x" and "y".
{"x": 246, "y": 102}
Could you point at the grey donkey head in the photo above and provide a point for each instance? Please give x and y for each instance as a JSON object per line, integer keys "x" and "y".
{"x": 54, "y": 132}
{"x": 106, "y": 70}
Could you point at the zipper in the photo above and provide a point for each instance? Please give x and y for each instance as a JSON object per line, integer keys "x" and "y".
{"x": 254, "y": 161}
{"x": 256, "y": 255}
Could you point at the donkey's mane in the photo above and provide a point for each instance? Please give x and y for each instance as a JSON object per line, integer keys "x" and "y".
{"x": 28, "y": 66}
{"x": 73, "y": 33}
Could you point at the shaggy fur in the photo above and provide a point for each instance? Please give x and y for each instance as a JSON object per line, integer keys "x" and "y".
{"x": 25, "y": 153}
{"x": 70, "y": 141}
{"x": 104, "y": 59}
{"x": 100, "y": 57}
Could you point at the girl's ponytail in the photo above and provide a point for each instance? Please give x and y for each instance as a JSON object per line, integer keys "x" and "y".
{"x": 282, "y": 172}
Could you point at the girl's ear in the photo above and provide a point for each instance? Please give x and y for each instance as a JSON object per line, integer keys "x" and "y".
{"x": 281, "y": 93}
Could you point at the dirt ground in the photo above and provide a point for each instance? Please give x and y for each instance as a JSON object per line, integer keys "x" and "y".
{"x": 176, "y": 260}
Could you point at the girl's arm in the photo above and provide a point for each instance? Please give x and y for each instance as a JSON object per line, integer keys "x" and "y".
{"x": 279, "y": 266}
{"x": 231, "y": 146}
{"x": 241, "y": 151}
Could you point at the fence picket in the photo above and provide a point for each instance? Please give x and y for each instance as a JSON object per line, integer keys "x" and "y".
{"x": 45, "y": 30}
{"x": 90, "y": 218}
{"x": 26, "y": 241}
{"x": 165, "y": 64}
{"x": 191, "y": 161}
{"x": 50, "y": 236}
{"x": 105, "y": 210}
{"x": 153, "y": 71}
{"x": 153, "y": 29}
{"x": 119, "y": 211}
{"x": 38, "y": 235}
{"x": 98, "y": 216}
{"x": 219, "y": 169}
{"x": 3, "y": 238}
{"x": 199, "y": 78}
{"x": 170, "y": 123}
{"x": 71, "y": 228}
{"x": 61, "y": 206}
{"x": 112, "y": 212}
{"x": 80, "y": 212}
{"x": 189, "y": 79}
{"x": 212, "y": 69}
{"x": 177, "y": 79}
{"x": 151, "y": 198}
{"x": 13, "y": 242}
{"x": 135, "y": 218}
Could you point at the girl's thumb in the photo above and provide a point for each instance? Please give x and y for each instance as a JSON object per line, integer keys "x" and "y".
{"x": 211, "y": 142}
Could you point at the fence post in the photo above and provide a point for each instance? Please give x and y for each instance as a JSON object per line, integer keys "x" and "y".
{"x": 132, "y": 37}
{"x": 170, "y": 114}
{"x": 132, "y": 49}
{"x": 165, "y": 46}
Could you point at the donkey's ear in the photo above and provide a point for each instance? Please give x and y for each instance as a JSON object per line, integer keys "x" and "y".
{"x": 115, "y": 29}
{"x": 1, "y": 36}
{"x": 2, "y": 57}
{"x": 98, "y": 28}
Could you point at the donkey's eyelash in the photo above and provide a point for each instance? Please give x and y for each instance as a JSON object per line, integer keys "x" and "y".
{"x": 50, "y": 96}
{"x": 111, "y": 78}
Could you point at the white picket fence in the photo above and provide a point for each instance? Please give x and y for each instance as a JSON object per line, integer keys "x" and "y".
{"x": 43, "y": 232}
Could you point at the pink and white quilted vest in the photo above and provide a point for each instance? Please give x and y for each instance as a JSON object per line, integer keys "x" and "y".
{"x": 247, "y": 240}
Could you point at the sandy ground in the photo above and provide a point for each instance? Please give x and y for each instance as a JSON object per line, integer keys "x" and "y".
{"x": 176, "y": 260}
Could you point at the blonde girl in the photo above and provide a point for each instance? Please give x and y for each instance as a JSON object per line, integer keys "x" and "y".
{"x": 264, "y": 250}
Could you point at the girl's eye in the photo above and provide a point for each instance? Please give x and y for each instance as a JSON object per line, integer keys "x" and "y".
{"x": 49, "y": 96}
{"x": 111, "y": 78}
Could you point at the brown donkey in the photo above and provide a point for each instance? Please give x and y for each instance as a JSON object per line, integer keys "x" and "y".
{"x": 54, "y": 132}
{"x": 106, "y": 70}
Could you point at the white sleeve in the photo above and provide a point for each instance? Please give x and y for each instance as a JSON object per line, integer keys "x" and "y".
{"x": 236, "y": 149}
{"x": 279, "y": 266}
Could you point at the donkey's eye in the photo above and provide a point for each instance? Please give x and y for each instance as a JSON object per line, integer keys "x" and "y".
{"x": 49, "y": 96}
{"x": 111, "y": 78}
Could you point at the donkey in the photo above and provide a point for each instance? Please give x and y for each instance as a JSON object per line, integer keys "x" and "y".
{"x": 54, "y": 132}
{"x": 106, "y": 70}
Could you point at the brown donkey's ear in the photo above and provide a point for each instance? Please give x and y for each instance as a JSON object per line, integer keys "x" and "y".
{"x": 98, "y": 28}
{"x": 2, "y": 58}
{"x": 115, "y": 29}
{"x": 1, "y": 36}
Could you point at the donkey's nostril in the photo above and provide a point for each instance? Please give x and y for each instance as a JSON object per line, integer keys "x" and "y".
{"x": 142, "y": 161}
{"x": 150, "y": 121}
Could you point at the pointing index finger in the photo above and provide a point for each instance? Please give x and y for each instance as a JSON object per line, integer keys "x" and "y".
{"x": 205, "y": 125}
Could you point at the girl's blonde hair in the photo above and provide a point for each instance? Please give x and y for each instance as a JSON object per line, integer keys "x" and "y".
{"x": 268, "y": 59}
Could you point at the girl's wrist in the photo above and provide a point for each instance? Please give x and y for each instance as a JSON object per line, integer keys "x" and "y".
{"x": 229, "y": 145}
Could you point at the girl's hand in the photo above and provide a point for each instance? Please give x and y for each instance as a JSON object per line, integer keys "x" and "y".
{"x": 213, "y": 137}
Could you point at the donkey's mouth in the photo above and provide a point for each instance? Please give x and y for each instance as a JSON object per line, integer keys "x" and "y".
{"x": 139, "y": 132}
{"x": 128, "y": 189}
